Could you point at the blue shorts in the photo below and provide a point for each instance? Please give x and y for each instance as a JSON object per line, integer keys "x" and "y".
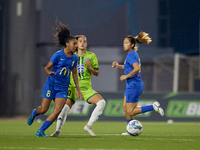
{"x": 50, "y": 92}
{"x": 133, "y": 94}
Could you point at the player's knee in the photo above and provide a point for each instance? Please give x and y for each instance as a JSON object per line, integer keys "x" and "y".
{"x": 65, "y": 110}
{"x": 101, "y": 104}
{"x": 130, "y": 112}
{"x": 124, "y": 108}
{"x": 57, "y": 111}
{"x": 43, "y": 110}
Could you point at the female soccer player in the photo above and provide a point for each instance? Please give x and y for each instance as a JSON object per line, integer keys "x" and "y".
{"x": 87, "y": 65}
{"x": 134, "y": 83}
{"x": 56, "y": 85}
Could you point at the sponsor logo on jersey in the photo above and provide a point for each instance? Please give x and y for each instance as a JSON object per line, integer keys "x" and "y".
{"x": 73, "y": 63}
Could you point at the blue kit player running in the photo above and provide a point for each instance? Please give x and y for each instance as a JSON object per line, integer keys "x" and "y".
{"x": 56, "y": 85}
{"x": 134, "y": 83}
{"x": 87, "y": 66}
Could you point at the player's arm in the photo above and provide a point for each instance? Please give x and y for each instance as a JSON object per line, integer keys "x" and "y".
{"x": 115, "y": 64}
{"x": 136, "y": 69}
{"x": 92, "y": 70}
{"x": 48, "y": 67}
{"x": 75, "y": 77}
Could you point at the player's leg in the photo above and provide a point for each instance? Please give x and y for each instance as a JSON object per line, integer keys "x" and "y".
{"x": 132, "y": 100}
{"x": 132, "y": 109}
{"x": 47, "y": 96}
{"x": 39, "y": 110}
{"x": 62, "y": 117}
{"x": 71, "y": 98}
{"x": 100, "y": 103}
{"x": 146, "y": 108}
{"x": 128, "y": 117}
{"x": 58, "y": 105}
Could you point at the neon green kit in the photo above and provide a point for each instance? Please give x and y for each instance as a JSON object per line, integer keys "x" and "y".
{"x": 84, "y": 77}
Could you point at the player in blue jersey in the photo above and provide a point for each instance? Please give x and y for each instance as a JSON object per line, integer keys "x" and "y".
{"x": 87, "y": 66}
{"x": 134, "y": 83}
{"x": 56, "y": 86}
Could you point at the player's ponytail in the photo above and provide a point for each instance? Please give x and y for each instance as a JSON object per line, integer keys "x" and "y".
{"x": 63, "y": 34}
{"x": 142, "y": 38}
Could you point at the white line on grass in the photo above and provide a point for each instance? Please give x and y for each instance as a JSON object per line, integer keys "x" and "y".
{"x": 153, "y": 135}
{"x": 26, "y": 148}
{"x": 59, "y": 148}
{"x": 96, "y": 134}
{"x": 194, "y": 135}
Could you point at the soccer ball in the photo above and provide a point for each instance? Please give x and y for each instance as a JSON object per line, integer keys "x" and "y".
{"x": 134, "y": 128}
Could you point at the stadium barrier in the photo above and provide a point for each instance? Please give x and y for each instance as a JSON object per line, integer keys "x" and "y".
{"x": 177, "y": 107}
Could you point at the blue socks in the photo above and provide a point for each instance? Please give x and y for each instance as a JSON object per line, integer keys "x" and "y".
{"x": 147, "y": 108}
{"x": 34, "y": 113}
{"x": 45, "y": 125}
{"x": 127, "y": 120}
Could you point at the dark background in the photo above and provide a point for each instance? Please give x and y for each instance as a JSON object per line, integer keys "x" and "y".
{"x": 27, "y": 43}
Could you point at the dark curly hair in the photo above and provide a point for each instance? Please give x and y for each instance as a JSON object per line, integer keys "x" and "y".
{"x": 63, "y": 34}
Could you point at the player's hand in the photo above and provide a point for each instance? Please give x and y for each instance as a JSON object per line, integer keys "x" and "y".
{"x": 52, "y": 73}
{"x": 115, "y": 64}
{"x": 79, "y": 94}
{"x": 123, "y": 77}
{"x": 87, "y": 62}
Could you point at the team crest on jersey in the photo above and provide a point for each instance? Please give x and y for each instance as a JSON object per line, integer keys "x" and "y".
{"x": 81, "y": 68}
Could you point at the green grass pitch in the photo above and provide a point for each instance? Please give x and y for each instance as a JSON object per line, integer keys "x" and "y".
{"x": 17, "y": 135}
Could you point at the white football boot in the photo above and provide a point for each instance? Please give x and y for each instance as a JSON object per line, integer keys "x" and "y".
{"x": 55, "y": 134}
{"x": 89, "y": 130}
{"x": 157, "y": 108}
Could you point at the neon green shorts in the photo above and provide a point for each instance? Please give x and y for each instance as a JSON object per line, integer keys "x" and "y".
{"x": 87, "y": 93}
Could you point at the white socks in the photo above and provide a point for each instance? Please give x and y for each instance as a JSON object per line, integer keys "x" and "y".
{"x": 100, "y": 105}
{"x": 97, "y": 112}
{"x": 62, "y": 117}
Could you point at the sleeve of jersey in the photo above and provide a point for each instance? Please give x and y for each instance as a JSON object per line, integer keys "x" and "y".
{"x": 94, "y": 62}
{"x": 76, "y": 61}
{"x": 54, "y": 58}
{"x": 131, "y": 59}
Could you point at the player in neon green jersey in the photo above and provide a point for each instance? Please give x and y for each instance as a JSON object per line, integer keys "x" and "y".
{"x": 87, "y": 66}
